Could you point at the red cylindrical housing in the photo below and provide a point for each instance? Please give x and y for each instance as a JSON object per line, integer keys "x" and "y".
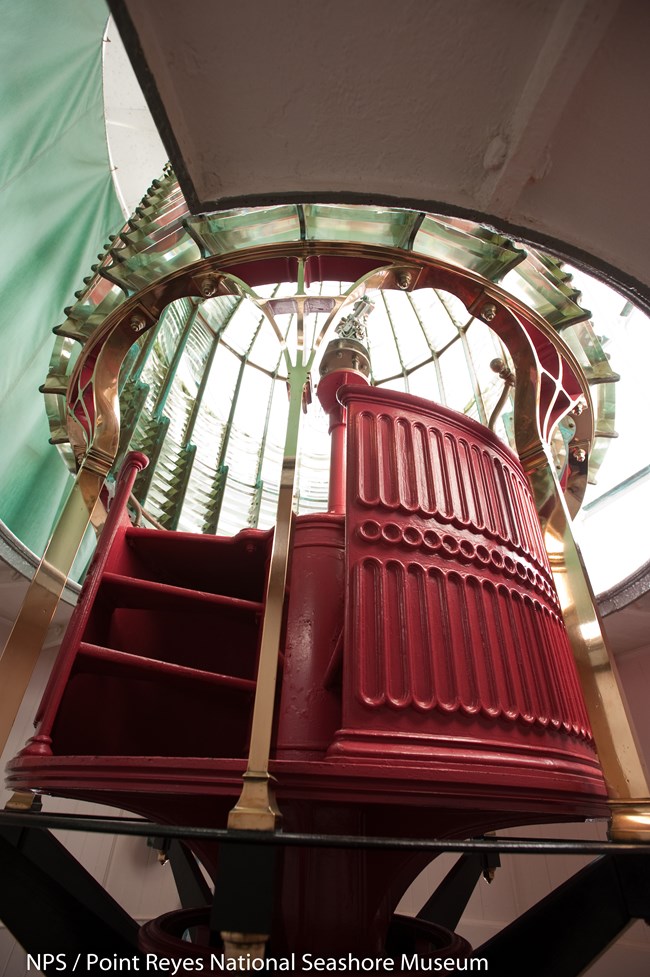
{"x": 455, "y": 651}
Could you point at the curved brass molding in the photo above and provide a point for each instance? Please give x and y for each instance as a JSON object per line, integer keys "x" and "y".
{"x": 391, "y": 266}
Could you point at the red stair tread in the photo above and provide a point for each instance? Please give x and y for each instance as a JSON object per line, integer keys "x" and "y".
{"x": 125, "y": 591}
{"x": 231, "y": 565}
{"x": 152, "y": 667}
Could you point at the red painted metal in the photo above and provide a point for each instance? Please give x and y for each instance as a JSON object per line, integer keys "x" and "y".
{"x": 160, "y": 654}
{"x": 427, "y": 688}
{"x": 328, "y": 388}
{"x": 455, "y": 647}
{"x": 164, "y": 937}
{"x": 112, "y": 533}
{"x": 310, "y": 704}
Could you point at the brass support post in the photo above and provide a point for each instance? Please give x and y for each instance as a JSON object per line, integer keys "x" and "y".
{"x": 624, "y": 771}
{"x": 622, "y": 764}
{"x": 27, "y": 636}
{"x": 256, "y": 809}
{"x": 244, "y": 947}
{"x": 22, "y": 801}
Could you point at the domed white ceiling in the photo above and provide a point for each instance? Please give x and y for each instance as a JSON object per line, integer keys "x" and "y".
{"x": 530, "y": 113}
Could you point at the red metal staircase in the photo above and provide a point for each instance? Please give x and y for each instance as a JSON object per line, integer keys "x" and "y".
{"x": 160, "y": 656}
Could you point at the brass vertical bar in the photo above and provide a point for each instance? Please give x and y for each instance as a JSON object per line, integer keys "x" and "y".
{"x": 622, "y": 764}
{"x": 256, "y": 808}
{"x": 625, "y": 774}
{"x": 28, "y": 634}
{"x": 300, "y": 324}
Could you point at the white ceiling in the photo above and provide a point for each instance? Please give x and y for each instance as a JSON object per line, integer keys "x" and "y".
{"x": 532, "y": 112}
{"x": 135, "y": 148}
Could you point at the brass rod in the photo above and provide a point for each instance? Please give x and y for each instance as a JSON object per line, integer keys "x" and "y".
{"x": 626, "y": 776}
{"x": 30, "y": 628}
{"x": 256, "y": 809}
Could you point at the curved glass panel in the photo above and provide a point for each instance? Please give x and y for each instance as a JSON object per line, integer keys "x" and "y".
{"x": 214, "y": 417}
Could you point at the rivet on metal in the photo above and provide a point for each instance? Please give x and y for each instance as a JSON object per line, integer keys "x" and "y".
{"x": 137, "y": 323}
{"x": 578, "y": 454}
{"x": 404, "y": 280}
{"x": 488, "y": 312}
{"x": 209, "y": 286}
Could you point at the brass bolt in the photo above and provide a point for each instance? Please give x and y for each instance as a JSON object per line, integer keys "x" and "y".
{"x": 488, "y": 312}
{"x": 404, "y": 280}
{"x": 137, "y": 322}
{"x": 209, "y": 286}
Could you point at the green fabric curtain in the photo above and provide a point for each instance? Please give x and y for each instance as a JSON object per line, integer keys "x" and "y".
{"x": 58, "y": 207}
